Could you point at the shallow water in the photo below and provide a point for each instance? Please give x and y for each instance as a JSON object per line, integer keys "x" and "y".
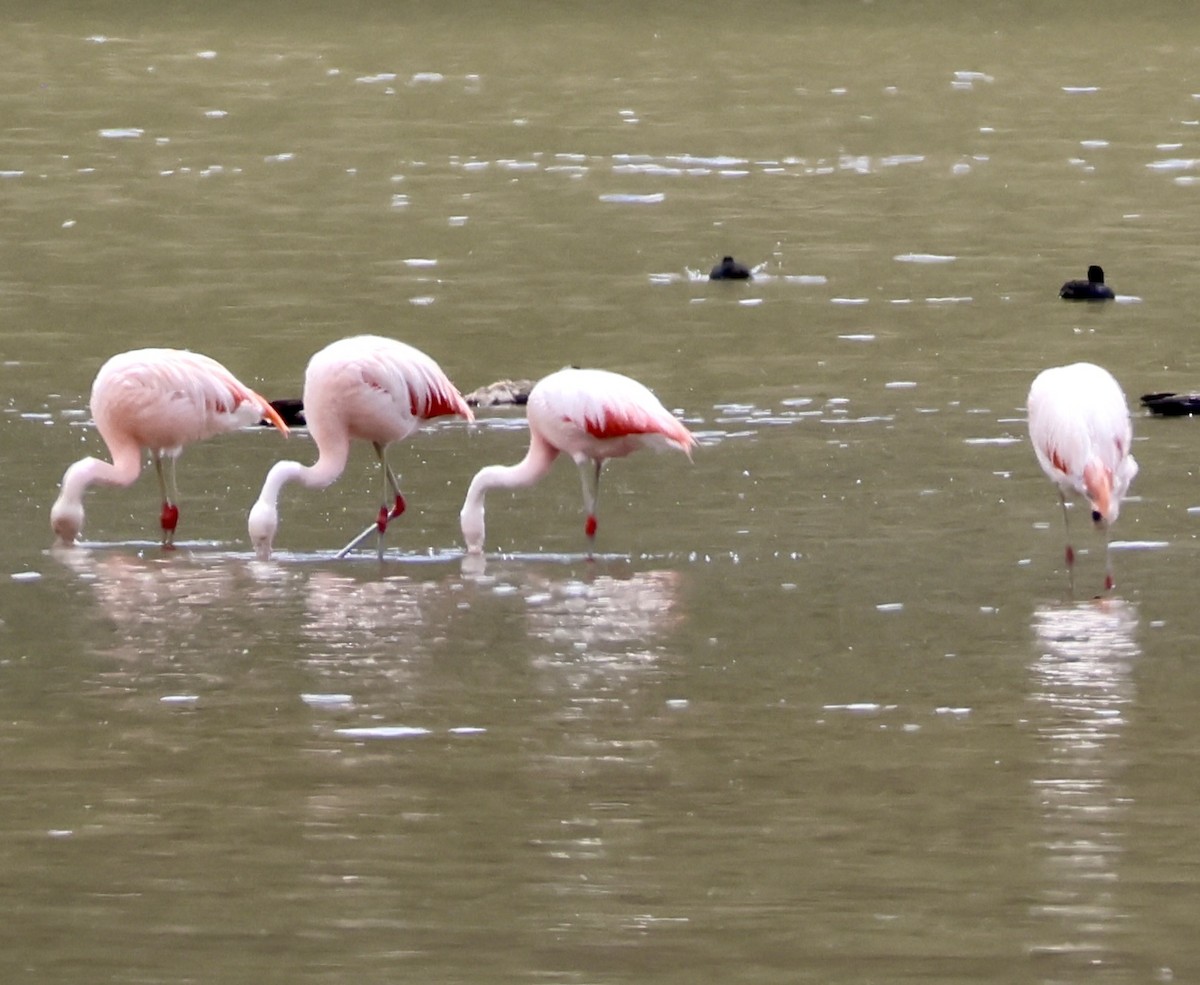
{"x": 821, "y": 708}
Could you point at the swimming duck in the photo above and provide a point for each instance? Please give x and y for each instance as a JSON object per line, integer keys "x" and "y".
{"x": 514, "y": 392}
{"x": 1170, "y": 404}
{"x": 1092, "y": 289}
{"x": 730, "y": 269}
{"x": 291, "y": 410}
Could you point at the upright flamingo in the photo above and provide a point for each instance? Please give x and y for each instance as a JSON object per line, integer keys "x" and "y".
{"x": 1081, "y": 433}
{"x": 590, "y": 414}
{"x": 365, "y": 387}
{"x": 161, "y": 400}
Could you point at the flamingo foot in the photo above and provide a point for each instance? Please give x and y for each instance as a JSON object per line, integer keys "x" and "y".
{"x": 1109, "y": 582}
{"x": 379, "y": 527}
{"x": 169, "y": 520}
{"x": 589, "y": 528}
{"x": 385, "y": 514}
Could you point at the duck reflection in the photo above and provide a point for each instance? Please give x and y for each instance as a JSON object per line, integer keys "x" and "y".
{"x": 1082, "y": 684}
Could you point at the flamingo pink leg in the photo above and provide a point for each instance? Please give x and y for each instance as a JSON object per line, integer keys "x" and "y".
{"x": 169, "y": 518}
{"x": 589, "y": 474}
{"x": 391, "y": 485}
{"x": 385, "y": 514}
{"x": 1109, "y": 581}
{"x": 1070, "y": 553}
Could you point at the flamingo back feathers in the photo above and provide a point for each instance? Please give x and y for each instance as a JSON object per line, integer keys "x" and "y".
{"x": 1081, "y": 432}
{"x": 380, "y": 389}
{"x": 166, "y": 398}
{"x": 603, "y": 414}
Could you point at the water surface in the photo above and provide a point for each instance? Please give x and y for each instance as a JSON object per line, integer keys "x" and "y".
{"x": 823, "y": 707}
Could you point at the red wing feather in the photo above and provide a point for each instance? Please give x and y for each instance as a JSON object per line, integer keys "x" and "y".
{"x": 617, "y": 424}
{"x": 439, "y": 403}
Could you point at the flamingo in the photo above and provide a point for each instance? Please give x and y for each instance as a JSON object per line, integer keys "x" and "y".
{"x": 1092, "y": 289}
{"x": 161, "y": 400}
{"x": 1081, "y": 433}
{"x": 590, "y": 414}
{"x": 366, "y": 387}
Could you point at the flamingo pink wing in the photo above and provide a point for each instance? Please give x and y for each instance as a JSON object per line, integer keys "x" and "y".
{"x": 610, "y": 406}
{"x": 626, "y": 421}
{"x": 397, "y": 368}
{"x": 438, "y": 398}
{"x": 241, "y": 394}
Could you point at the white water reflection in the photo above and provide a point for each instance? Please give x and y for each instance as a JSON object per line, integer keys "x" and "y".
{"x": 346, "y": 612}
{"x": 612, "y": 624}
{"x": 157, "y": 605}
{"x": 1081, "y": 685}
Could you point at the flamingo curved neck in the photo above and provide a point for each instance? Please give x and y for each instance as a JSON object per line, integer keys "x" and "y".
{"x": 529, "y": 470}
{"x": 264, "y": 515}
{"x": 331, "y": 462}
{"x": 66, "y": 515}
{"x": 122, "y": 471}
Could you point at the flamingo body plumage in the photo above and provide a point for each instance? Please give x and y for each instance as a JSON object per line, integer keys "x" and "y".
{"x": 1081, "y": 432}
{"x": 591, "y": 415}
{"x": 159, "y": 400}
{"x": 366, "y": 388}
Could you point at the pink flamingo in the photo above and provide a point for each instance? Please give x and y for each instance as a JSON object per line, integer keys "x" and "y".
{"x": 161, "y": 400}
{"x": 366, "y": 387}
{"x": 590, "y": 414}
{"x": 1081, "y": 433}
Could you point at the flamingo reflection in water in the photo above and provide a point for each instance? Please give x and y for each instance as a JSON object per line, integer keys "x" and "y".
{"x": 164, "y": 606}
{"x": 1082, "y": 686}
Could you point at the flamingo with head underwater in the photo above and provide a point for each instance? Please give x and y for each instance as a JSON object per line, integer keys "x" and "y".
{"x": 591, "y": 415}
{"x": 367, "y": 388}
{"x": 1081, "y": 433}
{"x": 161, "y": 400}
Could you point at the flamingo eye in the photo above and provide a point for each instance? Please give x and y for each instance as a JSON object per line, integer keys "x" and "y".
{"x": 1096, "y": 517}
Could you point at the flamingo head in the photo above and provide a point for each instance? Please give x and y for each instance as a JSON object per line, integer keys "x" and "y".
{"x": 471, "y": 520}
{"x": 66, "y": 520}
{"x": 1098, "y": 482}
{"x": 263, "y": 522}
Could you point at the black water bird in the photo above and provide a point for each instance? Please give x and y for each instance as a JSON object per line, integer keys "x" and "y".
{"x": 1168, "y": 404}
{"x": 500, "y": 393}
{"x": 730, "y": 269}
{"x": 1092, "y": 289}
{"x": 291, "y": 410}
